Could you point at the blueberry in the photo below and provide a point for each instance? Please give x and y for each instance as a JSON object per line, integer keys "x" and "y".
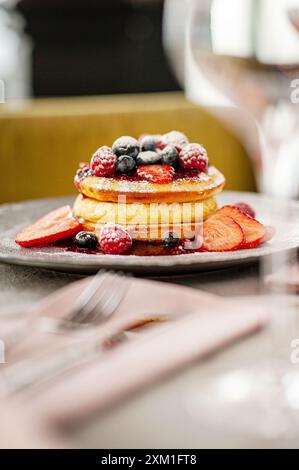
{"x": 170, "y": 240}
{"x": 148, "y": 158}
{"x": 87, "y": 240}
{"x": 126, "y": 146}
{"x": 148, "y": 143}
{"x": 125, "y": 164}
{"x": 169, "y": 155}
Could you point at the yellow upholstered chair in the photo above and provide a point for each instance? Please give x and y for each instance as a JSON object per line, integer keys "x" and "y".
{"x": 42, "y": 141}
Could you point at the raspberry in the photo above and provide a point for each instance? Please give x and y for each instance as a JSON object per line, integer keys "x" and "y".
{"x": 194, "y": 157}
{"x": 156, "y": 173}
{"x": 81, "y": 174}
{"x": 178, "y": 250}
{"x": 115, "y": 240}
{"x": 175, "y": 138}
{"x": 83, "y": 165}
{"x": 244, "y": 207}
{"x": 103, "y": 162}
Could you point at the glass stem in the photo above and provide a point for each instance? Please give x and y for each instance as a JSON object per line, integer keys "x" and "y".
{"x": 276, "y": 268}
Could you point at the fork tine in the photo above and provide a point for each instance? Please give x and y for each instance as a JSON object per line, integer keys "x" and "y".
{"x": 112, "y": 303}
{"x": 93, "y": 312}
{"x": 91, "y": 288}
{"x": 105, "y": 306}
{"x": 87, "y": 296}
{"x": 111, "y": 306}
{"x": 97, "y": 301}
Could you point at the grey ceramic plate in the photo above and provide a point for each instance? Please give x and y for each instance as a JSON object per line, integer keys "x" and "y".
{"x": 13, "y": 217}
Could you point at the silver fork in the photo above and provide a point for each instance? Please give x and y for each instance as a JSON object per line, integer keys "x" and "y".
{"x": 83, "y": 312}
{"x": 90, "y": 309}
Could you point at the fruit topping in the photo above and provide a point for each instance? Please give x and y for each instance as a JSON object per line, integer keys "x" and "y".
{"x": 125, "y": 164}
{"x": 83, "y": 165}
{"x": 149, "y": 142}
{"x": 81, "y": 174}
{"x": 126, "y": 145}
{"x": 222, "y": 233}
{"x": 115, "y": 240}
{"x": 254, "y": 231}
{"x": 170, "y": 240}
{"x": 176, "y": 138}
{"x": 270, "y": 233}
{"x": 103, "y": 162}
{"x": 86, "y": 240}
{"x": 57, "y": 225}
{"x": 246, "y": 208}
{"x": 194, "y": 156}
{"x": 177, "y": 250}
{"x": 171, "y": 150}
{"x": 169, "y": 155}
{"x": 148, "y": 158}
{"x": 195, "y": 243}
{"x": 156, "y": 173}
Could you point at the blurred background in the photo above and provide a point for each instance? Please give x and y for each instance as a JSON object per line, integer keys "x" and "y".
{"x": 78, "y": 74}
{"x": 84, "y": 47}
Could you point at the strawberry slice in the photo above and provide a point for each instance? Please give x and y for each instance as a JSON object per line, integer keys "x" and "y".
{"x": 57, "y": 225}
{"x": 156, "y": 173}
{"x": 253, "y": 230}
{"x": 270, "y": 233}
{"x": 222, "y": 233}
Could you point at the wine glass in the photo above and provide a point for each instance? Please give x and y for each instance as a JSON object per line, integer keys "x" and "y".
{"x": 241, "y": 58}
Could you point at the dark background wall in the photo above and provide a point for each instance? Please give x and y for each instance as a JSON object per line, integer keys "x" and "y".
{"x": 84, "y": 47}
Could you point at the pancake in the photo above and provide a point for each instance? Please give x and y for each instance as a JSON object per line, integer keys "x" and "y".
{"x": 143, "y": 214}
{"x": 183, "y": 188}
{"x": 150, "y": 233}
{"x": 145, "y": 221}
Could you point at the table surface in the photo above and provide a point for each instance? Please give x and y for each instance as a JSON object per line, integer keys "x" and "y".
{"x": 157, "y": 417}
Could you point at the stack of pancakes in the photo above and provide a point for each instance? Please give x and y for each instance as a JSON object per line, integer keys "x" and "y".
{"x": 149, "y": 210}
